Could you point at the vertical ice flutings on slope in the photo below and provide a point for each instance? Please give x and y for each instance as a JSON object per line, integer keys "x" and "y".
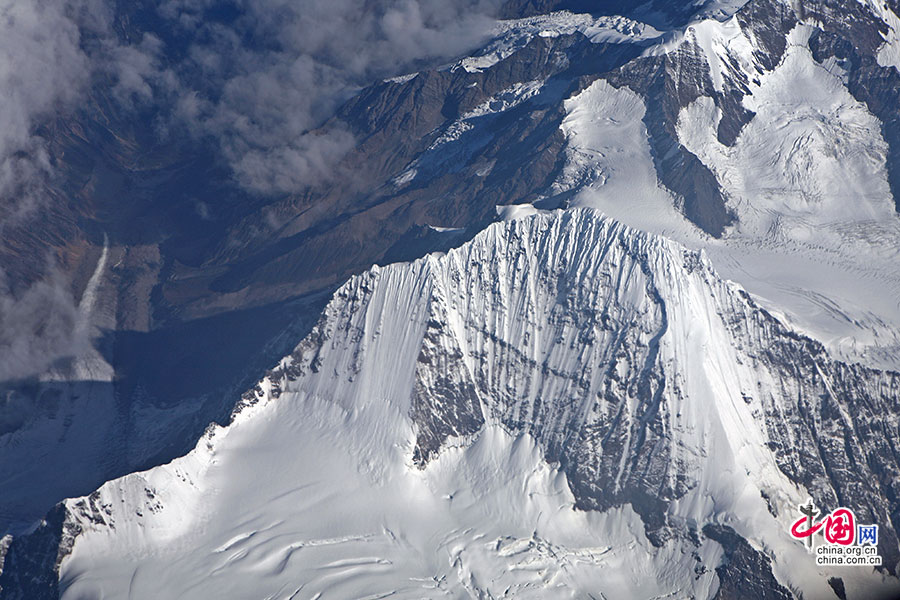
{"x": 640, "y": 390}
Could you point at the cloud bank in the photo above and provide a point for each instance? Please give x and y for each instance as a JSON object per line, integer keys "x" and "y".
{"x": 38, "y": 327}
{"x": 42, "y": 68}
{"x": 257, "y": 78}
{"x": 281, "y": 68}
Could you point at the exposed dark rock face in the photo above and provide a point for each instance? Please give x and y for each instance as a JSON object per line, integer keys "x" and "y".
{"x": 445, "y": 402}
{"x": 745, "y": 574}
{"x": 837, "y": 584}
{"x": 769, "y": 21}
{"x": 31, "y": 568}
{"x": 668, "y": 83}
{"x": 826, "y": 432}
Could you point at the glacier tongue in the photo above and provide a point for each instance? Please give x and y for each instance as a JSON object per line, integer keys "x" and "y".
{"x": 561, "y": 406}
{"x": 805, "y": 175}
{"x": 818, "y": 234}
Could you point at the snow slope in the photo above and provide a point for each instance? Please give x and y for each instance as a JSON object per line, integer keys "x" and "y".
{"x": 817, "y": 237}
{"x": 492, "y": 422}
{"x": 565, "y": 405}
{"x": 516, "y": 33}
{"x": 807, "y": 179}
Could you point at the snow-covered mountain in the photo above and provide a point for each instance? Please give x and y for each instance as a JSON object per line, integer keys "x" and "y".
{"x": 639, "y": 302}
{"x": 561, "y": 407}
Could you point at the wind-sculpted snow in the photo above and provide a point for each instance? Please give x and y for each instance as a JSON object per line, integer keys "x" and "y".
{"x": 563, "y": 406}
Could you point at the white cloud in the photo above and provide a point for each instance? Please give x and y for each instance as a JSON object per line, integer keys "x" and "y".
{"x": 42, "y": 68}
{"x": 38, "y": 327}
{"x": 281, "y": 68}
{"x": 257, "y": 81}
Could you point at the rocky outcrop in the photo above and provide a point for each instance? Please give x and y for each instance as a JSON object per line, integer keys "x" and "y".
{"x": 651, "y": 382}
{"x": 573, "y": 330}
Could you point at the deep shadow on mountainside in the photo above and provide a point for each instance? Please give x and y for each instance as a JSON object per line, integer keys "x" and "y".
{"x": 207, "y": 301}
{"x": 183, "y": 271}
{"x": 204, "y": 303}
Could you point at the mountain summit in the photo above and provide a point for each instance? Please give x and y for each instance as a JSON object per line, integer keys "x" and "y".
{"x": 587, "y": 301}
{"x": 565, "y": 397}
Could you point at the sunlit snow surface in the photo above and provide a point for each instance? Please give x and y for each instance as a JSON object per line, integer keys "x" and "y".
{"x": 817, "y": 237}
{"x": 312, "y": 489}
{"x": 287, "y": 509}
{"x": 313, "y": 493}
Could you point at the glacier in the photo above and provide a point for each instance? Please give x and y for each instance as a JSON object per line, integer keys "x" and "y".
{"x": 626, "y": 398}
{"x": 815, "y": 236}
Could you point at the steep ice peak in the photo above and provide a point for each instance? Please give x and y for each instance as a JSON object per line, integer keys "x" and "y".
{"x": 562, "y": 390}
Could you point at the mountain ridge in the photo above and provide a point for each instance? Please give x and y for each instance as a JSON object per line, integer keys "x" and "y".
{"x": 644, "y": 440}
{"x": 559, "y": 110}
